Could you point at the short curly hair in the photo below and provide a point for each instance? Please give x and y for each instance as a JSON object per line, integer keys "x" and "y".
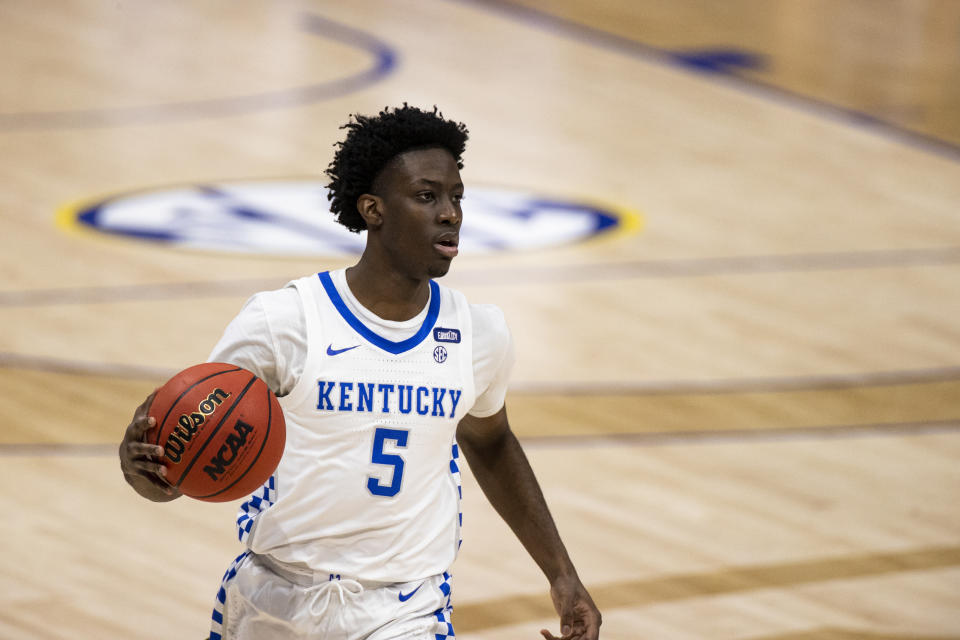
{"x": 373, "y": 141}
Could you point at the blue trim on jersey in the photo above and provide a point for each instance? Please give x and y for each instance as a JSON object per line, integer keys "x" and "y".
{"x": 387, "y": 345}
{"x": 216, "y": 622}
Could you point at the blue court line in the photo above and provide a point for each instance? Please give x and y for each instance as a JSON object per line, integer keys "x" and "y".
{"x": 504, "y": 276}
{"x": 623, "y": 45}
{"x": 652, "y": 439}
{"x": 385, "y": 60}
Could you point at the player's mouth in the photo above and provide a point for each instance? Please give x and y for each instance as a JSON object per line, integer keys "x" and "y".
{"x": 446, "y": 245}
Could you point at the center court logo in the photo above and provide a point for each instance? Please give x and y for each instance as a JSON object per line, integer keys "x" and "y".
{"x": 290, "y": 217}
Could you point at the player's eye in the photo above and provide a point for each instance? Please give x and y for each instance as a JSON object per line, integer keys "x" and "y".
{"x": 426, "y": 196}
{"x": 457, "y": 197}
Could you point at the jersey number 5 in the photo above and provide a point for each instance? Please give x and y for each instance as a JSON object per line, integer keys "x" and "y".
{"x": 399, "y": 436}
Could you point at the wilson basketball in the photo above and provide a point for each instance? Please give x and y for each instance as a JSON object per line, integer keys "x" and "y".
{"x": 221, "y": 429}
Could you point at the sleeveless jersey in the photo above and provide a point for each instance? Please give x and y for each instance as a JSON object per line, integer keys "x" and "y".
{"x": 368, "y": 486}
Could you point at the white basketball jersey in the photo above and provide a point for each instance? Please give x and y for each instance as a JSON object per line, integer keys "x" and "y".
{"x": 368, "y": 486}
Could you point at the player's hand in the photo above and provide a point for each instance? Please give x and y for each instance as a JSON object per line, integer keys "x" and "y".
{"x": 579, "y": 617}
{"x": 141, "y": 462}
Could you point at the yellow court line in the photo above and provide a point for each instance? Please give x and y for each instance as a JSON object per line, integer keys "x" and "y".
{"x": 66, "y": 217}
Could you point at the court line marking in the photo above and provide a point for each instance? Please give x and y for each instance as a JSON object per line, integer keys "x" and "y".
{"x": 385, "y": 61}
{"x": 592, "y": 441}
{"x": 45, "y": 364}
{"x": 594, "y": 36}
{"x": 512, "y": 609}
{"x": 625, "y": 221}
{"x": 716, "y": 386}
{"x": 743, "y": 436}
{"x": 504, "y": 276}
{"x": 718, "y": 266}
{"x": 848, "y": 633}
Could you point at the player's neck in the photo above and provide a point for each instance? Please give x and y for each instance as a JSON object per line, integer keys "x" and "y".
{"x": 387, "y": 292}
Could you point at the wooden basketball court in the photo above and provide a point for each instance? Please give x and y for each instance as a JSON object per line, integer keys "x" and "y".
{"x": 743, "y": 406}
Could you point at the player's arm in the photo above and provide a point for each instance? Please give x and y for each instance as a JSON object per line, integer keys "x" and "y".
{"x": 503, "y": 472}
{"x": 140, "y": 461}
{"x": 248, "y": 342}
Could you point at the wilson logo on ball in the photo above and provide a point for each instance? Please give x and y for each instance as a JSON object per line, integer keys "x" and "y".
{"x": 189, "y": 424}
{"x": 223, "y": 431}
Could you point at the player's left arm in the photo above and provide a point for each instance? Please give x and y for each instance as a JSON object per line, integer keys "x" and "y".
{"x": 504, "y": 473}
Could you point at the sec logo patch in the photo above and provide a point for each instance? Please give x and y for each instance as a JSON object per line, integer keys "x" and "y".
{"x": 291, "y": 218}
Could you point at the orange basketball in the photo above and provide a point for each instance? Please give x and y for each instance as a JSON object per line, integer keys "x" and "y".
{"x": 222, "y": 431}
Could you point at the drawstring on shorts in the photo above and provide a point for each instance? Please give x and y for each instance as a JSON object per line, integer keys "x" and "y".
{"x": 324, "y": 591}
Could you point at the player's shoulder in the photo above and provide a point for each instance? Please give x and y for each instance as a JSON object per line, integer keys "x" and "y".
{"x": 490, "y": 331}
{"x": 488, "y": 317}
{"x": 276, "y": 304}
{"x": 285, "y": 295}
{"x": 493, "y": 350}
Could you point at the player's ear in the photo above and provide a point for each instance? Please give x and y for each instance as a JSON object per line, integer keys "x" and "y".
{"x": 371, "y": 209}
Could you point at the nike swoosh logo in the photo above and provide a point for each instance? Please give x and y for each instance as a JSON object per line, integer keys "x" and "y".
{"x": 335, "y": 352}
{"x": 404, "y": 598}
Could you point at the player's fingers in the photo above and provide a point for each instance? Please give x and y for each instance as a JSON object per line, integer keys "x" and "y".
{"x": 145, "y": 405}
{"x": 586, "y": 624}
{"x": 133, "y": 449}
{"x": 148, "y": 468}
{"x": 141, "y": 420}
{"x": 549, "y": 636}
{"x": 139, "y": 426}
{"x": 138, "y": 449}
{"x": 161, "y": 483}
{"x": 566, "y": 621}
{"x": 593, "y": 622}
{"x": 152, "y": 472}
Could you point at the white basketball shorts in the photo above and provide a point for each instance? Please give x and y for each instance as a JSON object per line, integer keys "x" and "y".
{"x": 260, "y": 599}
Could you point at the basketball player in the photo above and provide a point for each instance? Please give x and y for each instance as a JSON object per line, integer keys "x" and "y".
{"x": 385, "y": 377}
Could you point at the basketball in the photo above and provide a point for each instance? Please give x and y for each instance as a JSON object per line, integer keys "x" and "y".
{"x": 222, "y": 431}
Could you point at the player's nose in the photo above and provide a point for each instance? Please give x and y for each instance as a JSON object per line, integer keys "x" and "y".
{"x": 450, "y": 213}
